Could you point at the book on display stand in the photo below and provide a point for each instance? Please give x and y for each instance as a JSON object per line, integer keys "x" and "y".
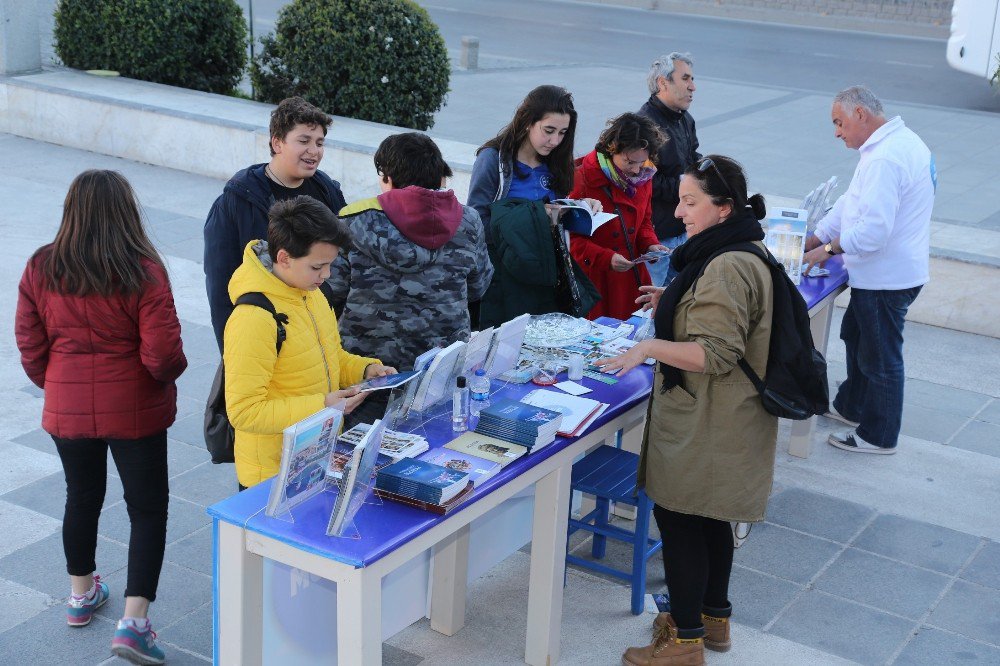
{"x": 356, "y": 484}
{"x": 506, "y": 346}
{"x": 306, "y": 450}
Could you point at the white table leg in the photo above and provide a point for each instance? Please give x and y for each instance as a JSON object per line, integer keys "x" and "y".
{"x": 359, "y": 619}
{"x": 820, "y": 320}
{"x": 548, "y": 563}
{"x": 451, "y": 573}
{"x": 240, "y": 601}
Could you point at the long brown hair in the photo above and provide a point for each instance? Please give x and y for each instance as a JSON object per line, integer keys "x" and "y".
{"x": 101, "y": 241}
{"x": 539, "y": 102}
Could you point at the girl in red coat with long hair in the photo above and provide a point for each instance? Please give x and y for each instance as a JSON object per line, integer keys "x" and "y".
{"x": 97, "y": 330}
{"x": 618, "y": 173}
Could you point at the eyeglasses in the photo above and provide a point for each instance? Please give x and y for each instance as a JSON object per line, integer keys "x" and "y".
{"x": 705, "y": 164}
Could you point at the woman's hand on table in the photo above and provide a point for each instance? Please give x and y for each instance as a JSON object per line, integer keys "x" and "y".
{"x": 620, "y": 263}
{"x": 619, "y": 365}
{"x": 650, "y": 297}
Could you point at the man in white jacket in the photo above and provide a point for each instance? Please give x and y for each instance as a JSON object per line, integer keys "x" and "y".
{"x": 882, "y": 227}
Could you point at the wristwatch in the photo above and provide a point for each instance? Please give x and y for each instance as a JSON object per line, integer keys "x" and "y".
{"x": 828, "y": 248}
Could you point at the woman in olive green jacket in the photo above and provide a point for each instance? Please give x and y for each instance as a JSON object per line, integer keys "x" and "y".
{"x": 708, "y": 450}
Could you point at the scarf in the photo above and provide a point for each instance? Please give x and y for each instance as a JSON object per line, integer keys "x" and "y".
{"x": 623, "y": 182}
{"x": 690, "y": 259}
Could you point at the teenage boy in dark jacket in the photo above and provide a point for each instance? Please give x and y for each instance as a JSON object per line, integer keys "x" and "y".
{"x": 298, "y": 130}
{"x": 417, "y": 258}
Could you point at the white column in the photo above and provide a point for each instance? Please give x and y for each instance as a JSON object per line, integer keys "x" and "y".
{"x": 20, "y": 48}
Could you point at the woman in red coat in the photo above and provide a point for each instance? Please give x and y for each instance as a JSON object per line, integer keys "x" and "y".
{"x": 97, "y": 330}
{"x": 618, "y": 173}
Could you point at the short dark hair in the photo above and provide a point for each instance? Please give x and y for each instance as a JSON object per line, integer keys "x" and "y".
{"x": 629, "y": 132}
{"x": 295, "y": 225}
{"x": 294, "y": 111}
{"x": 411, "y": 158}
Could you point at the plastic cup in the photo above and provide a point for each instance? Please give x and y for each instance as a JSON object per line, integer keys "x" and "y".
{"x": 575, "y": 370}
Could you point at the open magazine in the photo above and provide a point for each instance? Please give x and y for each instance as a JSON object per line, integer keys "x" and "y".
{"x": 578, "y": 218}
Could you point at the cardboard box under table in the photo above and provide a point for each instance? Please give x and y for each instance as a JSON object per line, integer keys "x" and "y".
{"x": 285, "y": 592}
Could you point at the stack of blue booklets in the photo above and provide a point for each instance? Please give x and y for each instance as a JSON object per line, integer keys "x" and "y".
{"x": 520, "y": 423}
{"x": 421, "y": 480}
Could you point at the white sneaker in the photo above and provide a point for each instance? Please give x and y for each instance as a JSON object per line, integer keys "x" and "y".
{"x": 837, "y": 416}
{"x": 848, "y": 440}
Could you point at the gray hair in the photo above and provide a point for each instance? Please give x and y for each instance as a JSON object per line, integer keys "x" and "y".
{"x": 855, "y": 96}
{"x": 664, "y": 66}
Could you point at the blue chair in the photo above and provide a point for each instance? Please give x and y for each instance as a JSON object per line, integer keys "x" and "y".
{"x": 608, "y": 473}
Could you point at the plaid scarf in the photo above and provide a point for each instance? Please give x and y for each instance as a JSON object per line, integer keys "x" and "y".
{"x": 623, "y": 182}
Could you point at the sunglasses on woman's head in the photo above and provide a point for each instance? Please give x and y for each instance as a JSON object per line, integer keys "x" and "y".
{"x": 705, "y": 164}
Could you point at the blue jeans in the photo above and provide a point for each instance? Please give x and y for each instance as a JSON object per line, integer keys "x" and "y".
{"x": 872, "y": 331}
{"x": 661, "y": 272}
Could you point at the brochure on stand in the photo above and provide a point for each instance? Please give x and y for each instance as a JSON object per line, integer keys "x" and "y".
{"x": 786, "y": 239}
{"x": 580, "y": 219}
{"x": 436, "y": 382}
{"x": 410, "y": 392}
{"x": 506, "y": 346}
{"x": 306, "y": 449}
{"x": 476, "y": 350}
{"x": 354, "y": 487}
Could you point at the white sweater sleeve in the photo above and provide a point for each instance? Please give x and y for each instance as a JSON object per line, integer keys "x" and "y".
{"x": 829, "y": 227}
{"x": 878, "y": 202}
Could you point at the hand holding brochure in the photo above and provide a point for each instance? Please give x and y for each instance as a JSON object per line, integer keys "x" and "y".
{"x": 581, "y": 219}
{"x": 386, "y": 381}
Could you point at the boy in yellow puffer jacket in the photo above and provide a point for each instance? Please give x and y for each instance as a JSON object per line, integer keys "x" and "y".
{"x": 266, "y": 391}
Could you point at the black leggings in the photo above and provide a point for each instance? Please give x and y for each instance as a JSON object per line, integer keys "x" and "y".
{"x": 142, "y": 466}
{"x": 697, "y": 560}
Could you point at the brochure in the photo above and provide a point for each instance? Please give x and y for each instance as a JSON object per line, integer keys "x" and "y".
{"x": 435, "y": 384}
{"x": 422, "y": 480}
{"x": 394, "y": 444}
{"x": 487, "y": 448}
{"x": 410, "y": 392}
{"x": 476, "y": 350}
{"x": 386, "y": 382}
{"x": 440, "y": 509}
{"x": 478, "y": 469}
{"x": 577, "y": 217}
{"x": 305, "y": 455}
{"x": 354, "y": 486}
{"x": 506, "y": 346}
{"x": 786, "y": 239}
{"x": 577, "y": 412}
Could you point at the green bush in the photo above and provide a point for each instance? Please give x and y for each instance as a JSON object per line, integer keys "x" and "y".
{"x": 199, "y": 44}
{"x": 378, "y": 60}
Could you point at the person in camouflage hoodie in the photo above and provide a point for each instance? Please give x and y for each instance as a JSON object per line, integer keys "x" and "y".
{"x": 418, "y": 258}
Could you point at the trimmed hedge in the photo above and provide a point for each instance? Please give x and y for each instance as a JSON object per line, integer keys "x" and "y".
{"x": 378, "y": 60}
{"x": 199, "y": 44}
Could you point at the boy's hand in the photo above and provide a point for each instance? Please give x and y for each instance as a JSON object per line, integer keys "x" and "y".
{"x": 345, "y": 400}
{"x": 379, "y": 370}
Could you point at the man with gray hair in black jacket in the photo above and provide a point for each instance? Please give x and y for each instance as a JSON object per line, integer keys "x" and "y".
{"x": 671, "y": 87}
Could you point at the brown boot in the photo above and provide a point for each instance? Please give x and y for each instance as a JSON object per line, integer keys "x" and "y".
{"x": 716, "y": 630}
{"x": 716, "y": 633}
{"x": 667, "y": 650}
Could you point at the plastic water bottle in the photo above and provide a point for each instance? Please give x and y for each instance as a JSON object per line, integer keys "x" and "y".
{"x": 479, "y": 390}
{"x": 460, "y": 406}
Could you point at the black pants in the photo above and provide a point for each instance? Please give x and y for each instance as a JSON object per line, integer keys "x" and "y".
{"x": 142, "y": 466}
{"x": 697, "y": 560}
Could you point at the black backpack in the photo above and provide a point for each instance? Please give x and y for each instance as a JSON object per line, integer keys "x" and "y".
{"x": 794, "y": 385}
{"x": 220, "y": 438}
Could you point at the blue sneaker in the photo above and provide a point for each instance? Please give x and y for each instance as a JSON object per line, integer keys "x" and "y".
{"x": 135, "y": 645}
{"x": 80, "y": 610}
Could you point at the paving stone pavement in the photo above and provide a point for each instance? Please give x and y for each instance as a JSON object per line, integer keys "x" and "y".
{"x": 889, "y": 561}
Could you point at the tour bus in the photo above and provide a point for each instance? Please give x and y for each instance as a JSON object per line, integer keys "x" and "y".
{"x": 974, "y": 44}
